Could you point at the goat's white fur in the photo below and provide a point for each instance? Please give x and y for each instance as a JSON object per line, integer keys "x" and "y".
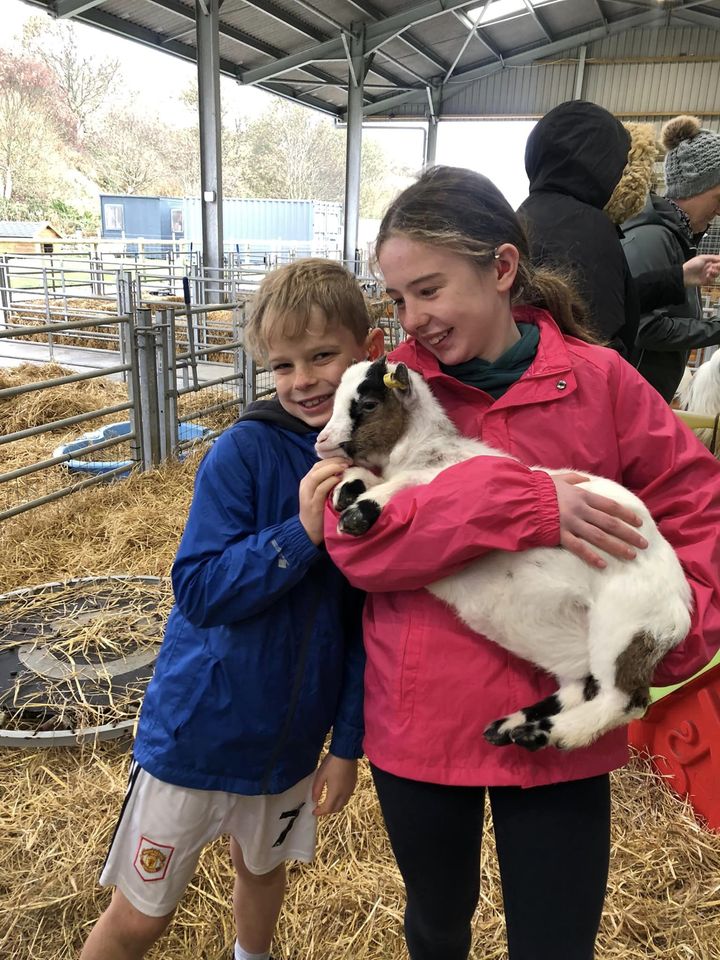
{"x": 544, "y": 605}
{"x": 700, "y": 393}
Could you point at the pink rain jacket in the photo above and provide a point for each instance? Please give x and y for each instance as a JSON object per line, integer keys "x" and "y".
{"x": 431, "y": 685}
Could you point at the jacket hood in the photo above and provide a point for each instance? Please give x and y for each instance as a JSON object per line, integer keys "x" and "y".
{"x": 638, "y": 178}
{"x": 580, "y": 149}
{"x": 659, "y": 212}
{"x": 272, "y": 411}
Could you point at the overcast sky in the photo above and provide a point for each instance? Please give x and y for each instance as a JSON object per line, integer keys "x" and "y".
{"x": 495, "y": 148}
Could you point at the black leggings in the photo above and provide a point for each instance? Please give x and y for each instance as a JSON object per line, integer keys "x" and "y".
{"x": 553, "y": 847}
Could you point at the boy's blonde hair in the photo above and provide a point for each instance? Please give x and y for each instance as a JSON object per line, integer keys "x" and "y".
{"x": 285, "y": 298}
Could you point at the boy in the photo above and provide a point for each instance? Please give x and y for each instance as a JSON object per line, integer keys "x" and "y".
{"x": 262, "y": 654}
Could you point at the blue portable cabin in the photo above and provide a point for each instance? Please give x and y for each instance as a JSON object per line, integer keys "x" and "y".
{"x": 129, "y": 217}
{"x": 253, "y": 227}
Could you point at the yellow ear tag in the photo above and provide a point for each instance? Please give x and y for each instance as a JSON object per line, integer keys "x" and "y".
{"x": 391, "y": 383}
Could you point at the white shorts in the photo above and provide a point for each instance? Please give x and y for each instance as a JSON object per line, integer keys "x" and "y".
{"x": 163, "y": 828}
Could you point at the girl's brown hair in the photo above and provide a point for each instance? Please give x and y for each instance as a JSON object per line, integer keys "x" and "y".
{"x": 465, "y": 212}
{"x": 283, "y": 305}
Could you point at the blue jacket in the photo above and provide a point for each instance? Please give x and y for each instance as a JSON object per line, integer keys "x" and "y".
{"x": 262, "y": 653}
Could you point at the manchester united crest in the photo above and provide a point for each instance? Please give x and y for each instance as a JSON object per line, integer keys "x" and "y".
{"x": 152, "y": 859}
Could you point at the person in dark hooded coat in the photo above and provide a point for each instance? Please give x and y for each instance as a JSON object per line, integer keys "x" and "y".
{"x": 664, "y": 235}
{"x": 574, "y": 158}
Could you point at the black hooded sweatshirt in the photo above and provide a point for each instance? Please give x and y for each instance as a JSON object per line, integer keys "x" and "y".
{"x": 574, "y": 158}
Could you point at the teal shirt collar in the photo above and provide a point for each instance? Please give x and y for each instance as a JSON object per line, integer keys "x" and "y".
{"x": 496, "y": 377}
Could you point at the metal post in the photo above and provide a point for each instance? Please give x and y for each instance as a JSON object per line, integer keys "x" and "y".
{"x": 124, "y": 306}
{"x": 434, "y": 95}
{"x": 162, "y": 321}
{"x": 431, "y": 143}
{"x": 580, "y": 74}
{"x": 4, "y": 291}
{"x": 127, "y": 335}
{"x": 149, "y": 404}
{"x": 355, "y": 47}
{"x": 208, "y": 62}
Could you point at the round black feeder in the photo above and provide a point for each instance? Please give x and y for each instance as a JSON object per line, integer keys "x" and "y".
{"x": 54, "y": 695}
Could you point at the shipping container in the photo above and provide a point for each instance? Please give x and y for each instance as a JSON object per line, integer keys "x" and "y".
{"x": 250, "y": 226}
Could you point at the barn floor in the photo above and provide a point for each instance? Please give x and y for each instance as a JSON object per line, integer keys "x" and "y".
{"x": 58, "y": 806}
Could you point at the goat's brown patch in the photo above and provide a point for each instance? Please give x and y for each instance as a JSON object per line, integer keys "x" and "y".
{"x": 380, "y": 430}
{"x": 634, "y": 669}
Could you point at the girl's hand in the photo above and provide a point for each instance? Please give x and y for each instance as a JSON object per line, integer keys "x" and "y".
{"x": 314, "y": 488}
{"x": 589, "y": 520}
{"x": 337, "y": 778}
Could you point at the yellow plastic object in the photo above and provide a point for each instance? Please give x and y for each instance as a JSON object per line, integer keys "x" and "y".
{"x": 657, "y": 693}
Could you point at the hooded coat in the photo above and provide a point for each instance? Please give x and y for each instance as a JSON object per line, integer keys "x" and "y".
{"x": 654, "y": 240}
{"x": 262, "y": 653}
{"x": 574, "y": 158}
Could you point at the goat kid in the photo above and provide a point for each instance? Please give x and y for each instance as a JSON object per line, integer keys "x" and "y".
{"x": 601, "y": 633}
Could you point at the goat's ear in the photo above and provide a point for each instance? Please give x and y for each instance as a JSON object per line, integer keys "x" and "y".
{"x": 402, "y": 376}
{"x": 398, "y": 379}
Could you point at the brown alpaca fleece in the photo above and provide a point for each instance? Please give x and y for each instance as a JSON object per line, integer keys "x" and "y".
{"x": 630, "y": 194}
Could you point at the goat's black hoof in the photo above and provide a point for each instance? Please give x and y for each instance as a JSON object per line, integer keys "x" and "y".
{"x": 494, "y": 735}
{"x": 531, "y": 736}
{"x": 359, "y": 517}
{"x": 348, "y": 493}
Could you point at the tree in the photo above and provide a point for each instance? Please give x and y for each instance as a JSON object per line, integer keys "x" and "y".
{"x": 85, "y": 82}
{"x": 34, "y": 127}
{"x": 128, "y": 152}
{"x": 293, "y": 153}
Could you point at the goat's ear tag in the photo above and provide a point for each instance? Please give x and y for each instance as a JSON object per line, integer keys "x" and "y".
{"x": 392, "y": 384}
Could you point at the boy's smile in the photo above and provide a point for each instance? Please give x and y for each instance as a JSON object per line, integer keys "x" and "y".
{"x": 307, "y": 370}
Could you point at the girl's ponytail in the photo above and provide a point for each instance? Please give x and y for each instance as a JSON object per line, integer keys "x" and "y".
{"x": 556, "y": 293}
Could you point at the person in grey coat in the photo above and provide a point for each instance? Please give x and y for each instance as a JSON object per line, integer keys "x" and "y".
{"x": 665, "y": 234}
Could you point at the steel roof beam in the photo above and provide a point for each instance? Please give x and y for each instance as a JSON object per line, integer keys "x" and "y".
{"x": 70, "y": 8}
{"x": 288, "y": 20}
{"x": 232, "y": 33}
{"x": 538, "y": 19}
{"x": 600, "y": 11}
{"x": 267, "y": 6}
{"x": 477, "y": 30}
{"x": 376, "y": 34}
{"x": 407, "y": 38}
{"x": 697, "y": 18}
{"x": 523, "y": 56}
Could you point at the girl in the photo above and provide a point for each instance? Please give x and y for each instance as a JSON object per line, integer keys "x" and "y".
{"x": 504, "y": 352}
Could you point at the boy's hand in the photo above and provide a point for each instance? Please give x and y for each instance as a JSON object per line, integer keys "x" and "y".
{"x": 588, "y": 519}
{"x": 314, "y": 488}
{"x": 339, "y": 777}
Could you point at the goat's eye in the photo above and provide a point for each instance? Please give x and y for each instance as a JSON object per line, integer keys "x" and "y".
{"x": 367, "y": 406}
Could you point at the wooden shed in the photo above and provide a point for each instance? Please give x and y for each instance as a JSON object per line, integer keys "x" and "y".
{"x": 27, "y": 236}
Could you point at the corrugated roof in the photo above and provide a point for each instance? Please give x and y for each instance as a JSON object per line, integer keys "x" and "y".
{"x": 24, "y": 229}
{"x": 297, "y": 48}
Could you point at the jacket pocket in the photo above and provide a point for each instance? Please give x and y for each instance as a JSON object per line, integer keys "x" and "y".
{"x": 411, "y": 647}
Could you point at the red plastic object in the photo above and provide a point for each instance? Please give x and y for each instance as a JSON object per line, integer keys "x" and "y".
{"x": 681, "y": 733}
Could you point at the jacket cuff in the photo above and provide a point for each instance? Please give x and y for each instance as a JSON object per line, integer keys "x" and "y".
{"x": 346, "y": 742}
{"x": 548, "y": 510}
{"x": 296, "y": 544}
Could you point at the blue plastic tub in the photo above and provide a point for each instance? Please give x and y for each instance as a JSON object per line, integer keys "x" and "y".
{"x": 186, "y": 431}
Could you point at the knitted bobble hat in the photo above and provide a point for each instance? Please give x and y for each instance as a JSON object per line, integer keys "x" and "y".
{"x": 692, "y": 163}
